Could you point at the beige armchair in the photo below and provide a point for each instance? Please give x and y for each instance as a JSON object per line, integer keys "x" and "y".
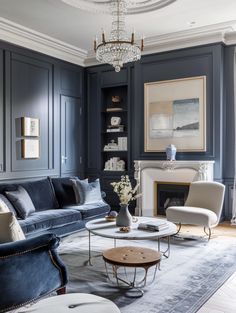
{"x": 203, "y": 206}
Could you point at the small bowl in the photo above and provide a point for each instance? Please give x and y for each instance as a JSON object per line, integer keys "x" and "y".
{"x": 110, "y": 218}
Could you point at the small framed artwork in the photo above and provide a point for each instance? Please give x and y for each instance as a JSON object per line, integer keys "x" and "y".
{"x": 30, "y": 126}
{"x": 30, "y": 148}
{"x": 175, "y": 113}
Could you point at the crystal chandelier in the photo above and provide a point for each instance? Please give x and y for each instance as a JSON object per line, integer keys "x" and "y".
{"x": 118, "y": 50}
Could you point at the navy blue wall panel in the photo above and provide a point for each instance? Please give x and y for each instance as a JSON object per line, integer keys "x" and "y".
{"x": 31, "y": 97}
{"x": 229, "y": 113}
{"x": 71, "y": 141}
{"x": 31, "y": 85}
{"x": 199, "y": 61}
{"x": 93, "y": 124}
{"x": 2, "y": 119}
{"x": 229, "y": 128}
{"x": 108, "y": 78}
{"x": 204, "y": 61}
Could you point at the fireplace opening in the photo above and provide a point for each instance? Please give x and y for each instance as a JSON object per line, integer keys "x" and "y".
{"x": 170, "y": 194}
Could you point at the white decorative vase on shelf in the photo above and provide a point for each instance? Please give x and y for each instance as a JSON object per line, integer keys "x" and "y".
{"x": 171, "y": 152}
{"x": 124, "y": 218}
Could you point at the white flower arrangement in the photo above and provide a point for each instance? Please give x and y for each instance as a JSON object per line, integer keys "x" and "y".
{"x": 124, "y": 190}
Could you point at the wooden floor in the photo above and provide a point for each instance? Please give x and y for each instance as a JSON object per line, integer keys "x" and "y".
{"x": 224, "y": 300}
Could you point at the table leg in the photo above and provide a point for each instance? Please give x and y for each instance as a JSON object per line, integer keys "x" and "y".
{"x": 114, "y": 243}
{"x": 89, "y": 261}
{"x": 165, "y": 253}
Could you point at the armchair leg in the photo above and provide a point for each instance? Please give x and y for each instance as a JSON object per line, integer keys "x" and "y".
{"x": 180, "y": 225}
{"x": 207, "y": 231}
{"x": 61, "y": 291}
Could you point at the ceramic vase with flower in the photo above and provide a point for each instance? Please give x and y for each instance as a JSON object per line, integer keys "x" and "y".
{"x": 126, "y": 193}
{"x": 124, "y": 218}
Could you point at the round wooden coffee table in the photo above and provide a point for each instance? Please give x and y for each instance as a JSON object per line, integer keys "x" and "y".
{"x": 134, "y": 257}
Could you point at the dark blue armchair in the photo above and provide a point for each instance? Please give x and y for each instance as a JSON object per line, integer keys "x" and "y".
{"x": 29, "y": 270}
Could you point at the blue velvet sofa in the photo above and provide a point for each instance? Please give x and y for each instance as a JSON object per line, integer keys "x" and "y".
{"x": 56, "y": 208}
{"x": 30, "y": 269}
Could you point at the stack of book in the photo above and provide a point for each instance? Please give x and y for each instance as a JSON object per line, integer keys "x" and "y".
{"x": 122, "y": 143}
{"x": 111, "y": 128}
{"x": 157, "y": 225}
{"x": 114, "y": 109}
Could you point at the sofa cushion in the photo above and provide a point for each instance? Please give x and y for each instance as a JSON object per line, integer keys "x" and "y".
{"x": 3, "y": 207}
{"x": 44, "y": 220}
{"x": 21, "y": 201}
{"x": 42, "y": 194}
{"x": 77, "y": 190}
{"x": 10, "y": 229}
{"x": 88, "y": 192}
{"x": 8, "y": 204}
{"x": 64, "y": 190}
{"x": 91, "y": 210}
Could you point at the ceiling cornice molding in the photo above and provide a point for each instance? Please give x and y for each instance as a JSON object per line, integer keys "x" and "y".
{"x": 222, "y": 32}
{"x": 28, "y": 38}
{"x": 230, "y": 38}
{"x": 31, "y": 39}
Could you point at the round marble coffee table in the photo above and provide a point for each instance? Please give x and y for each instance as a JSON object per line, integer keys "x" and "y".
{"x": 103, "y": 228}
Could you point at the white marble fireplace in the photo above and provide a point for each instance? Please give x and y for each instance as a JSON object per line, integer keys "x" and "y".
{"x": 149, "y": 173}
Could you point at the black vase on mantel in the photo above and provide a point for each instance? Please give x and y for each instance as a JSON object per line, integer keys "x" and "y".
{"x": 124, "y": 218}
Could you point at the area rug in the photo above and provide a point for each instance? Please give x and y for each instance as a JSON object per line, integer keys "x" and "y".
{"x": 187, "y": 279}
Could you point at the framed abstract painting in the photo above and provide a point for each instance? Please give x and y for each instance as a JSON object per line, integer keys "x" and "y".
{"x": 30, "y": 148}
{"x": 30, "y": 127}
{"x": 175, "y": 113}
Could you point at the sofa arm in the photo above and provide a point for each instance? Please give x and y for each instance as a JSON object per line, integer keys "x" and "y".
{"x": 22, "y": 246}
{"x": 29, "y": 269}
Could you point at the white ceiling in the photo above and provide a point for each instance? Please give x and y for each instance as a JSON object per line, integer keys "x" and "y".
{"x": 77, "y": 28}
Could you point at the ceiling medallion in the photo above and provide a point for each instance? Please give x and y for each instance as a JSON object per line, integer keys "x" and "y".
{"x": 133, "y": 6}
{"x": 118, "y": 49}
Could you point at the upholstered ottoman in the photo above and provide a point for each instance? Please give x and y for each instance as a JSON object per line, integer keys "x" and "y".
{"x": 73, "y": 303}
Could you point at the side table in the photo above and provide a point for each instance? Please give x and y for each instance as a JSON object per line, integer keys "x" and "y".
{"x": 133, "y": 257}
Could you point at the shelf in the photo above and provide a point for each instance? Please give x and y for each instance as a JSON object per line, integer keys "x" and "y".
{"x": 118, "y": 111}
{"x": 115, "y": 151}
{"x": 121, "y": 110}
{"x": 124, "y": 132}
{"x": 109, "y": 171}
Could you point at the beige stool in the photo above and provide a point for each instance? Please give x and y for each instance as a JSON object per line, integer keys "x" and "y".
{"x": 73, "y": 303}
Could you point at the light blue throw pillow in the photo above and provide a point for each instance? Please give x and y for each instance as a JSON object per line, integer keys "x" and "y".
{"x": 88, "y": 192}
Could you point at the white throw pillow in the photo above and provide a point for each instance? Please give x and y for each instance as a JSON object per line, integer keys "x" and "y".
{"x": 10, "y": 229}
{"x": 3, "y": 207}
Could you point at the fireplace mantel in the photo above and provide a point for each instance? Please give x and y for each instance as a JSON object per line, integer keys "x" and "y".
{"x": 147, "y": 172}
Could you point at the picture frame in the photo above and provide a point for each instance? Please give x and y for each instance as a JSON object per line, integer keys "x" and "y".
{"x": 30, "y": 148}
{"x": 30, "y": 127}
{"x": 175, "y": 113}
